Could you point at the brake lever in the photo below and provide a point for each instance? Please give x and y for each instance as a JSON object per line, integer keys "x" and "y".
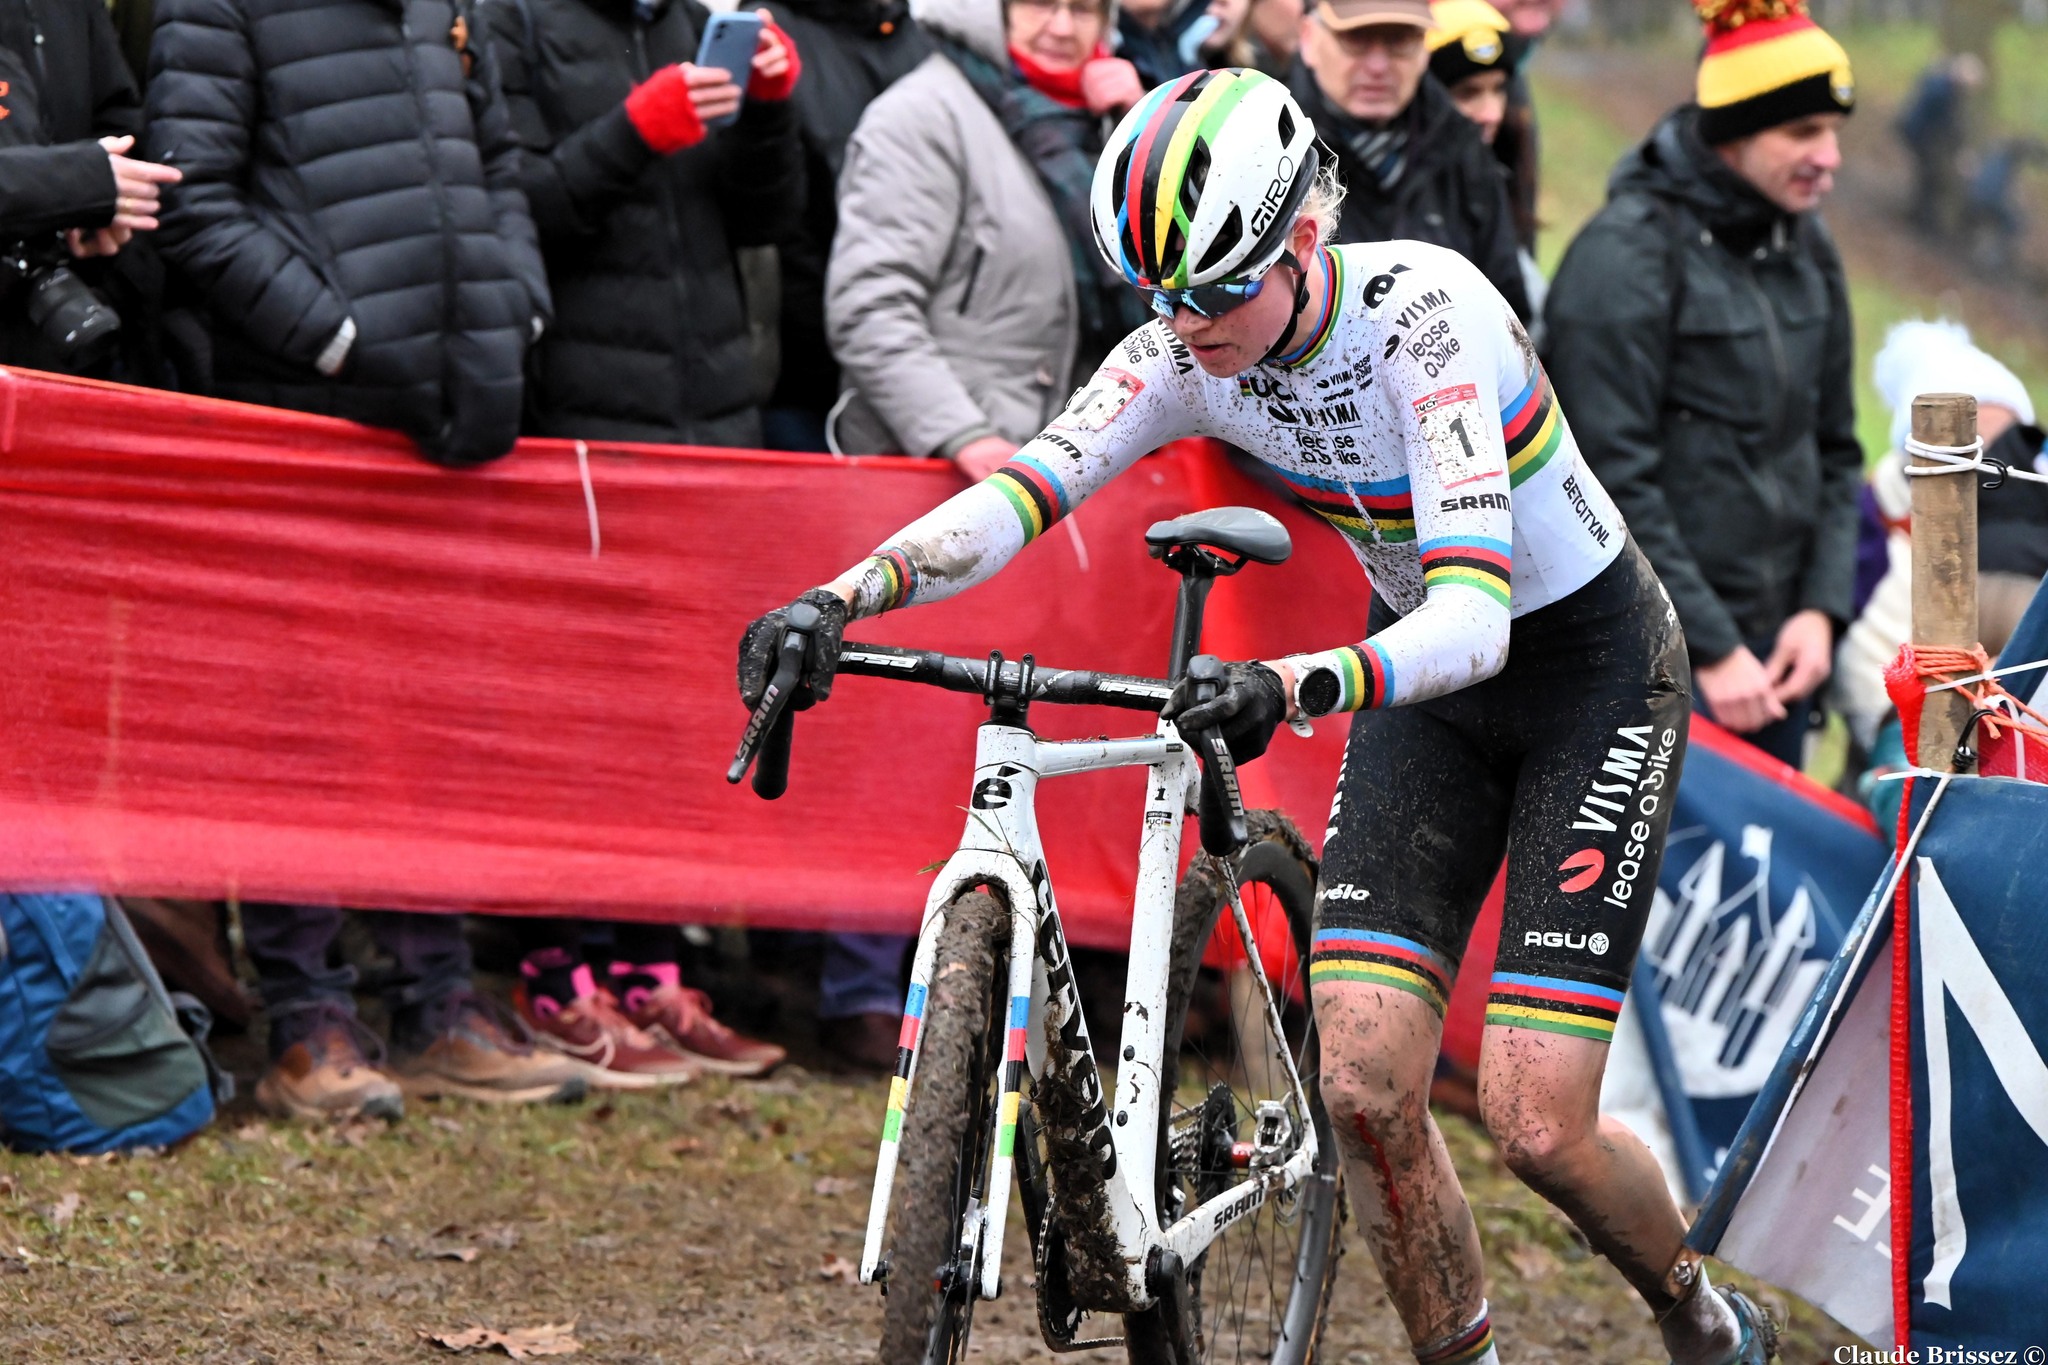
{"x": 771, "y": 728}
{"x": 1221, "y": 810}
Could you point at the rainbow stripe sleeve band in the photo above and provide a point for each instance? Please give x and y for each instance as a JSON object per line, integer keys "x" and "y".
{"x": 1477, "y": 562}
{"x": 1531, "y": 429}
{"x": 1365, "y": 675}
{"x": 1380, "y": 960}
{"x": 1553, "y": 1005}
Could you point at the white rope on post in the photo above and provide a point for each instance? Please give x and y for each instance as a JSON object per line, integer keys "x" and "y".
{"x": 1962, "y": 460}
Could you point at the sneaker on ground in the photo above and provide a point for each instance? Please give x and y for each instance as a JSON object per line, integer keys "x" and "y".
{"x": 681, "y": 1017}
{"x": 483, "y": 1052}
{"x": 613, "y": 1051}
{"x": 330, "y": 1073}
{"x": 1759, "y": 1344}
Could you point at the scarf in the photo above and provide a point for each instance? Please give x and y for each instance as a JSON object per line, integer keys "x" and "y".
{"x": 1063, "y": 87}
{"x": 1380, "y": 152}
{"x": 1061, "y": 141}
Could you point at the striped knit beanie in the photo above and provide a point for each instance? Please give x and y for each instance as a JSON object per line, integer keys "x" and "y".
{"x": 1767, "y": 63}
{"x": 1470, "y": 36}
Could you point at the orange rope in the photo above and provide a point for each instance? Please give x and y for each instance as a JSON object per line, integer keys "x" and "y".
{"x": 1942, "y": 663}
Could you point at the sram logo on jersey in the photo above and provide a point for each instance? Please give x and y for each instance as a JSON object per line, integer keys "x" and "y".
{"x": 1475, "y": 502}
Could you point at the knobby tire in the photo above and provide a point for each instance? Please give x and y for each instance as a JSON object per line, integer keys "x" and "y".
{"x": 1287, "y": 1252}
{"x": 948, "y": 1124}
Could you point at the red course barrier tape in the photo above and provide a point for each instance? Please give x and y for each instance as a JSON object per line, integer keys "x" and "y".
{"x": 276, "y": 656}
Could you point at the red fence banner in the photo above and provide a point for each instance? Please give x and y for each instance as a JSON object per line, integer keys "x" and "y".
{"x": 273, "y": 656}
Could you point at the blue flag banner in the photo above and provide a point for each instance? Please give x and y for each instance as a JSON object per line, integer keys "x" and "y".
{"x": 1763, "y": 872}
{"x": 1978, "y": 1010}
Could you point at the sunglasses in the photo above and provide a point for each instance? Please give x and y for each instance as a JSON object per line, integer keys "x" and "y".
{"x": 1209, "y": 300}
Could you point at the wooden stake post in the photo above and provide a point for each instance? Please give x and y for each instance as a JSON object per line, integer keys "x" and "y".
{"x": 1944, "y": 563}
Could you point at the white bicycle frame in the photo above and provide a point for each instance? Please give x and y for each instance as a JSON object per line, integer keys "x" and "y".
{"x": 1001, "y": 849}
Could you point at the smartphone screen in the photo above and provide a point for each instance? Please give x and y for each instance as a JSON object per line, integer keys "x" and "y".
{"x": 729, "y": 42}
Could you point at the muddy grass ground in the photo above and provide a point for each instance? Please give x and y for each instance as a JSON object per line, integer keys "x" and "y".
{"x": 699, "y": 1226}
{"x": 704, "y": 1226}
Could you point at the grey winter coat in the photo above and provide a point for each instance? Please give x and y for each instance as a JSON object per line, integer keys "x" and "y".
{"x": 949, "y": 299}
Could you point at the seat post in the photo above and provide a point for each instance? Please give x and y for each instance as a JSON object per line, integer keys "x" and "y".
{"x": 1196, "y": 578}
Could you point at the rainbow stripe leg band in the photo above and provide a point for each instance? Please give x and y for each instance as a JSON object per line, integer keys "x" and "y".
{"x": 1466, "y": 1348}
{"x": 1380, "y": 960}
{"x": 1553, "y": 1005}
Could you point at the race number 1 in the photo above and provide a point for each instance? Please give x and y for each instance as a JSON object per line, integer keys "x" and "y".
{"x": 1098, "y": 402}
{"x": 1450, "y": 421}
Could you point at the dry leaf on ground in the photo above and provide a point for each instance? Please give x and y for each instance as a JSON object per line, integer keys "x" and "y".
{"x": 445, "y": 1251}
{"x": 829, "y": 1185}
{"x": 64, "y": 1210}
{"x": 1533, "y": 1262}
{"x": 521, "y": 1343}
{"x": 7, "y": 1185}
{"x": 683, "y": 1146}
{"x": 838, "y": 1268}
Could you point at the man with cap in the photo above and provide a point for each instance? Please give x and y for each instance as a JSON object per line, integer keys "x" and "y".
{"x": 1699, "y": 335}
{"x": 1412, "y": 165}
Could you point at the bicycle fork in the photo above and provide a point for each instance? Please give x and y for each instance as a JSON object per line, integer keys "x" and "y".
{"x": 1001, "y": 849}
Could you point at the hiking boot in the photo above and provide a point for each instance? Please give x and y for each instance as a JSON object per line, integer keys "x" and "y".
{"x": 611, "y": 1050}
{"x": 483, "y": 1052}
{"x": 681, "y": 1017}
{"x": 332, "y": 1072}
{"x": 863, "y": 1042}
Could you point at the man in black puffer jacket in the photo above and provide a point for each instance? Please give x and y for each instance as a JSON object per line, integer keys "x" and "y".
{"x": 350, "y": 213}
{"x": 853, "y": 51}
{"x": 640, "y": 207}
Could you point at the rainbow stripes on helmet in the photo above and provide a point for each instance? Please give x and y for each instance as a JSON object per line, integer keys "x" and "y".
{"x": 1202, "y": 179}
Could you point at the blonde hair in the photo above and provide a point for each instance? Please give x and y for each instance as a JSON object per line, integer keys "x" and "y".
{"x": 1324, "y": 201}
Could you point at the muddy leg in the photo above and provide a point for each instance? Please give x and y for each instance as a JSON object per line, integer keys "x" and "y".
{"x": 1379, "y": 1049}
{"x": 1539, "y": 1094}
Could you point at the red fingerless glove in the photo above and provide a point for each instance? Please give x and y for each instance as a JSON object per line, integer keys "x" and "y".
{"x": 775, "y": 91}
{"x": 660, "y": 110}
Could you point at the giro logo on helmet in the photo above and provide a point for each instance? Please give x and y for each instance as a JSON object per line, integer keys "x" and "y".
{"x": 1269, "y": 203}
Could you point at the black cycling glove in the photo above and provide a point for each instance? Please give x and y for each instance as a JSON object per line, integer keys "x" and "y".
{"x": 1248, "y": 710}
{"x": 763, "y": 641}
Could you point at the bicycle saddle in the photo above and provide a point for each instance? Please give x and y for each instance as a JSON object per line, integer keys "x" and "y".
{"x": 1243, "y": 531}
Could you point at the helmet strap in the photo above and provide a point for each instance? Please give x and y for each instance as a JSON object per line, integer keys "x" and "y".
{"x": 1300, "y": 306}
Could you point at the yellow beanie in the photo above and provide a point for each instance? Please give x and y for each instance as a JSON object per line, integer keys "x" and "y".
{"x": 1767, "y": 63}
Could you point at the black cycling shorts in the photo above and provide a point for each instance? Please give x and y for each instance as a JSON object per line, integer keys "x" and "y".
{"x": 1566, "y": 761}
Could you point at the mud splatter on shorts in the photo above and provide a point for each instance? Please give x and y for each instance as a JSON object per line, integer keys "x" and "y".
{"x": 1565, "y": 761}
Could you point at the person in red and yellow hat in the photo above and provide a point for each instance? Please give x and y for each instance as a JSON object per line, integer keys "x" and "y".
{"x": 1699, "y": 335}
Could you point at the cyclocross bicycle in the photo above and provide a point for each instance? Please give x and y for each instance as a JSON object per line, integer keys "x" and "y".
{"x": 1191, "y": 1208}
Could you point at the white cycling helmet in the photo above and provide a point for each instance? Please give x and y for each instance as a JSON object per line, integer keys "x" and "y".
{"x": 1202, "y": 180}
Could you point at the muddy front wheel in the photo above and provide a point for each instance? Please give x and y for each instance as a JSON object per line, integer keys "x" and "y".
{"x": 948, "y": 1126}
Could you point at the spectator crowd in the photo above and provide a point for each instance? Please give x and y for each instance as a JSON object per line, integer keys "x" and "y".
{"x": 469, "y": 220}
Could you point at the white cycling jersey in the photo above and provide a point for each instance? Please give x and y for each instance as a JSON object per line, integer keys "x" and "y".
{"x": 1413, "y": 417}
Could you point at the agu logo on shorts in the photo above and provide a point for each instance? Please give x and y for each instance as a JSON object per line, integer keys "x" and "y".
{"x": 1587, "y": 865}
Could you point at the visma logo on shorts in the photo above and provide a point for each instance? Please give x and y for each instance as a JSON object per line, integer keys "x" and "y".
{"x": 1346, "y": 892}
{"x": 1596, "y": 944}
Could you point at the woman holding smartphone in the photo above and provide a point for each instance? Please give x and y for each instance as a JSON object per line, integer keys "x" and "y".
{"x": 646, "y": 173}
